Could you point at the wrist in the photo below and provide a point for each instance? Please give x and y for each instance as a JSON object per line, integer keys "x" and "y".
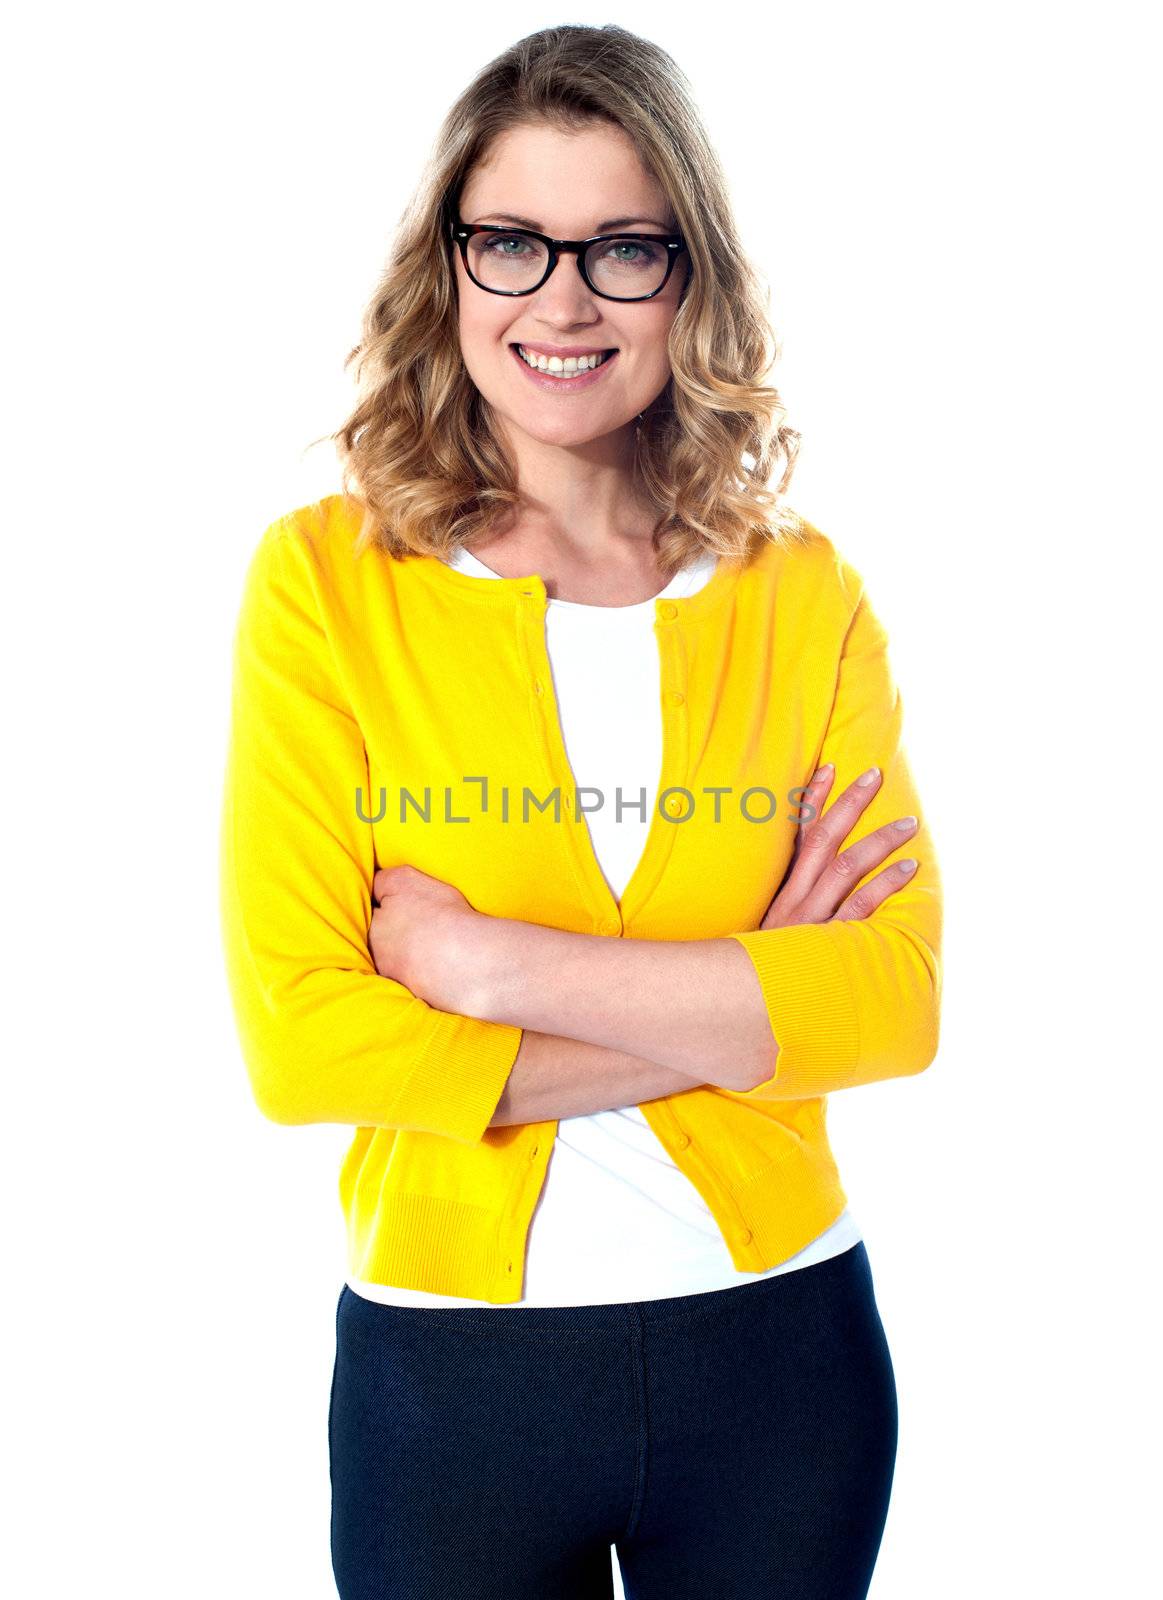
{"x": 486, "y": 959}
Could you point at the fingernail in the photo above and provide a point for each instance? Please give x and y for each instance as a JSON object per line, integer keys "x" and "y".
{"x": 906, "y": 866}
{"x": 869, "y": 777}
{"x": 905, "y": 824}
{"x": 822, "y": 772}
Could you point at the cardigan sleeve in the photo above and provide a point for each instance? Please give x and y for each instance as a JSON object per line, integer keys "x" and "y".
{"x": 324, "y": 1037}
{"x": 853, "y": 1002}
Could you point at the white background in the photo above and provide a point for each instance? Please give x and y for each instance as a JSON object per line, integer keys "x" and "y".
{"x": 953, "y": 207}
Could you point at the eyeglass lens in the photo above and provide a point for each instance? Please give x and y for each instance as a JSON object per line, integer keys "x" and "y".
{"x": 623, "y": 268}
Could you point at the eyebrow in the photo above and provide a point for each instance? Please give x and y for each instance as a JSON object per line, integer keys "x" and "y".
{"x": 603, "y": 227}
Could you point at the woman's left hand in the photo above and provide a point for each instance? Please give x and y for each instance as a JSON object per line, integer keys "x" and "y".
{"x": 421, "y": 935}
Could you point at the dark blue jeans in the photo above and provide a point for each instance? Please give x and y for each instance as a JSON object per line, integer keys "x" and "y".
{"x": 739, "y": 1443}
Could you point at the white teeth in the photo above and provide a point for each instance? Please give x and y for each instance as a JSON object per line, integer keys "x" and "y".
{"x": 561, "y": 369}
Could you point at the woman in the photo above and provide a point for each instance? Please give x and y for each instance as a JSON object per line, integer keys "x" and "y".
{"x": 529, "y": 877}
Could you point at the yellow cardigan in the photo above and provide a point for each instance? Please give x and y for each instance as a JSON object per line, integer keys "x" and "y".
{"x": 357, "y": 679}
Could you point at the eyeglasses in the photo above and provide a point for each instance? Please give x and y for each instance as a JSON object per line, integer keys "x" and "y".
{"x": 615, "y": 266}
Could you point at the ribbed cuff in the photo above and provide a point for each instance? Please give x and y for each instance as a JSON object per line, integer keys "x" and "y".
{"x": 811, "y": 1008}
{"x": 459, "y": 1076}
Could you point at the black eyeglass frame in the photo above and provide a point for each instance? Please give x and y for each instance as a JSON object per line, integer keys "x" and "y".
{"x": 462, "y": 232}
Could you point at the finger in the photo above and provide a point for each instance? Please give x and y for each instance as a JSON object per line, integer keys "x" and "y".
{"x": 876, "y": 891}
{"x": 823, "y": 839}
{"x": 837, "y": 876}
{"x": 389, "y": 880}
{"x": 814, "y": 794}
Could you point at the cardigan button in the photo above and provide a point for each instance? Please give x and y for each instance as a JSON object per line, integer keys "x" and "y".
{"x": 683, "y": 1140}
{"x": 668, "y": 610}
{"x": 611, "y": 925}
{"x": 745, "y": 1236}
{"x": 538, "y": 686}
{"x": 673, "y": 804}
{"x": 675, "y": 697}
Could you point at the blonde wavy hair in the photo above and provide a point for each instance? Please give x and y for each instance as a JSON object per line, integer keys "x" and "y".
{"x": 420, "y": 455}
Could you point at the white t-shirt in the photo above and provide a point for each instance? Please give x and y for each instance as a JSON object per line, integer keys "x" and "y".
{"x": 617, "y": 1219}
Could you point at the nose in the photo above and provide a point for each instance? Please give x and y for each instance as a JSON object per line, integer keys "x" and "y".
{"x": 565, "y": 282}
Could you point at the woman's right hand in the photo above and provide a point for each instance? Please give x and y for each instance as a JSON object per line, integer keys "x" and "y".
{"x": 817, "y": 884}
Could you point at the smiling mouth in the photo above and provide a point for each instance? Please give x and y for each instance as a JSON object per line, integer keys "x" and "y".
{"x": 559, "y": 368}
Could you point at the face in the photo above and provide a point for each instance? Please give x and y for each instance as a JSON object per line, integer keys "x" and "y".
{"x": 568, "y": 186}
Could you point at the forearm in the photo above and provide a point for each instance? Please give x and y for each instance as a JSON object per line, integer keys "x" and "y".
{"x": 694, "y": 1006}
{"x": 555, "y": 1077}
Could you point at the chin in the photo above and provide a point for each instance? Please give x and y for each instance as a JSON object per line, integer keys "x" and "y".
{"x": 567, "y": 432}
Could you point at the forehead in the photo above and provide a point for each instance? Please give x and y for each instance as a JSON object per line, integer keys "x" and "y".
{"x": 564, "y": 179}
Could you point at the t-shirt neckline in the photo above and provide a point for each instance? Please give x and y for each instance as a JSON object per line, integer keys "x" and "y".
{"x": 679, "y": 586}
